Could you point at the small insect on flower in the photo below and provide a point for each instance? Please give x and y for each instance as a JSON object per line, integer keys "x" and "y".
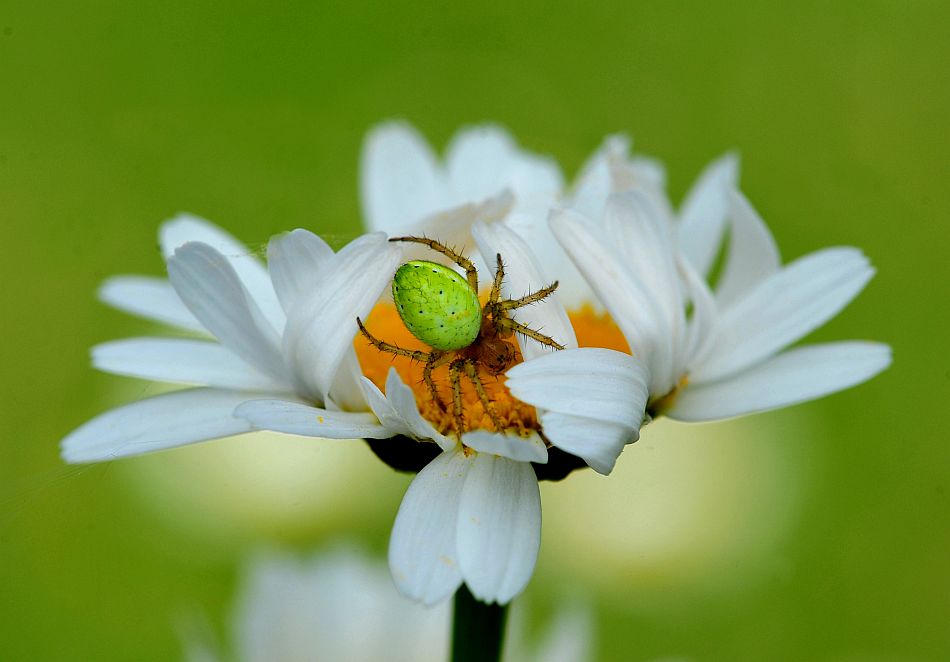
{"x": 441, "y": 308}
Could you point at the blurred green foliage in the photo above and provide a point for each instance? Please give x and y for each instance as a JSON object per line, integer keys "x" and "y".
{"x": 116, "y": 115}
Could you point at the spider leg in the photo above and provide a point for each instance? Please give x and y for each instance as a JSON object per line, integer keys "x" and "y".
{"x": 470, "y": 273}
{"x": 383, "y": 346}
{"x": 454, "y": 379}
{"x": 472, "y": 373}
{"x": 495, "y": 294}
{"x": 436, "y": 359}
{"x": 534, "y": 297}
{"x": 508, "y": 323}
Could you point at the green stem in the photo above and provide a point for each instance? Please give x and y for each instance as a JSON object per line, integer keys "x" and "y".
{"x": 477, "y": 629}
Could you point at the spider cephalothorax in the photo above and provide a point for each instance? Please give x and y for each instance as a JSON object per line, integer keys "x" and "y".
{"x": 441, "y": 308}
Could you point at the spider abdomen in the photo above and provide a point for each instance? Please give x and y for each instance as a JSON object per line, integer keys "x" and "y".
{"x": 437, "y": 305}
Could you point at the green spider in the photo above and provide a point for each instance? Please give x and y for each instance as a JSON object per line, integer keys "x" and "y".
{"x": 441, "y": 308}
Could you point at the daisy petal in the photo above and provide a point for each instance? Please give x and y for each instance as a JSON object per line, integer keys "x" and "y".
{"x": 499, "y": 527}
{"x": 483, "y": 160}
{"x": 522, "y": 276}
{"x": 182, "y": 361}
{"x": 321, "y": 331}
{"x": 607, "y": 274}
{"x": 423, "y": 555}
{"x": 400, "y": 179}
{"x": 294, "y": 260}
{"x": 397, "y": 410}
{"x": 598, "y": 443}
{"x": 597, "y": 383}
{"x": 703, "y": 214}
{"x": 591, "y": 400}
{"x": 165, "y": 421}
{"x": 297, "y": 418}
{"x": 151, "y": 298}
{"x": 595, "y": 181}
{"x": 753, "y": 255}
{"x": 186, "y": 228}
{"x": 211, "y": 289}
{"x": 512, "y": 446}
{"x": 798, "y": 375}
{"x": 785, "y": 307}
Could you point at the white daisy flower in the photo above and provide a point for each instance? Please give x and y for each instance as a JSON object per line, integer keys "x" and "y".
{"x": 341, "y": 605}
{"x": 729, "y": 357}
{"x": 254, "y": 339}
{"x": 284, "y": 360}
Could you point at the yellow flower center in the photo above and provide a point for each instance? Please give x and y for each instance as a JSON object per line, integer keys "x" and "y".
{"x": 592, "y": 330}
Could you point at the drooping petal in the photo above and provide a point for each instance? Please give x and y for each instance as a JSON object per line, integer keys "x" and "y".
{"x": 591, "y": 400}
{"x": 398, "y": 411}
{"x": 211, "y": 289}
{"x": 297, "y": 418}
{"x": 798, "y": 375}
{"x": 625, "y": 298}
{"x": 185, "y": 228}
{"x": 512, "y": 446}
{"x": 294, "y": 260}
{"x": 522, "y": 276}
{"x": 785, "y": 307}
{"x": 483, "y": 160}
{"x": 598, "y": 443}
{"x": 181, "y": 361}
{"x": 321, "y": 330}
{"x": 423, "y": 554}
{"x": 499, "y": 527}
{"x": 703, "y": 213}
{"x": 753, "y": 255}
{"x": 400, "y": 178}
{"x": 164, "y": 421}
{"x": 151, "y": 298}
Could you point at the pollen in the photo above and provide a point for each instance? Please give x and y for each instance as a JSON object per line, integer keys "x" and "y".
{"x": 592, "y": 330}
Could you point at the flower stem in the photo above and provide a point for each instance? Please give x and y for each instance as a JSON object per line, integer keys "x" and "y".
{"x": 477, "y": 629}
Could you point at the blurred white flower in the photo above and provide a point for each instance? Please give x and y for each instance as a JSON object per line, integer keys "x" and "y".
{"x": 341, "y": 605}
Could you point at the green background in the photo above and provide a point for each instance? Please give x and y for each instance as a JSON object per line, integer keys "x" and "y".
{"x": 113, "y": 116}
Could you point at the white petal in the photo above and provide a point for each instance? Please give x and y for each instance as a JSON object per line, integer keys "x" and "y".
{"x": 701, "y": 325}
{"x": 591, "y": 400}
{"x": 620, "y": 291}
{"x": 297, "y": 418}
{"x": 798, "y": 375}
{"x": 796, "y": 300}
{"x": 398, "y": 411}
{"x": 523, "y": 276}
{"x": 499, "y": 527}
{"x": 294, "y": 260}
{"x": 703, "y": 213}
{"x": 211, "y": 289}
{"x": 182, "y": 361}
{"x": 643, "y": 239}
{"x": 512, "y": 446}
{"x": 184, "y": 228}
{"x": 423, "y": 555}
{"x": 321, "y": 330}
{"x": 483, "y": 160}
{"x": 151, "y": 298}
{"x": 595, "y": 181}
{"x": 597, "y": 383}
{"x": 400, "y": 179}
{"x": 598, "y": 443}
{"x": 753, "y": 255}
{"x": 165, "y": 421}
